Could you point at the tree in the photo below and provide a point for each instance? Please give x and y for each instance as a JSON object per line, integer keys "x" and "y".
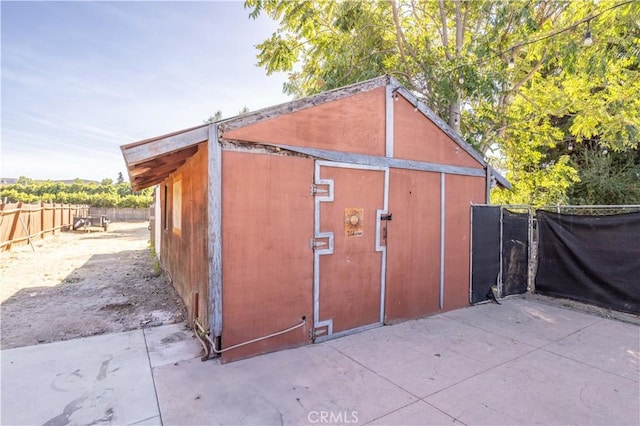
{"x": 580, "y": 103}
{"x": 107, "y": 194}
{"x": 218, "y": 115}
{"x": 120, "y": 178}
{"x": 23, "y": 180}
{"x": 513, "y": 78}
{"x": 215, "y": 117}
{"x": 606, "y": 177}
{"x": 431, "y": 46}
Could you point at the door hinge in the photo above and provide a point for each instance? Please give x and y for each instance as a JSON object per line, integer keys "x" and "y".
{"x": 315, "y": 190}
{"x": 386, "y": 216}
{"x": 315, "y": 244}
{"x": 316, "y": 332}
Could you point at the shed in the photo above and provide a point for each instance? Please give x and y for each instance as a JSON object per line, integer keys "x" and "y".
{"x": 316, "y": 218}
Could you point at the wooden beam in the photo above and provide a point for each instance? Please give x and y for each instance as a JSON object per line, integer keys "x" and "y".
{"x": 137, "y": 171}
{"x": 159, "y": 164}
{"x": 160, "y": 147}
{"x": 487, "y": 193}
{"x": 389, "y": 121}
{"x": 150, "y": 180}
{"x": 155, "y": 138}
{"x": 154, "y": 171}
{"x": 214, "y": 231}
{"x": 372, "y": 160}
{"x": 502, "y": 181}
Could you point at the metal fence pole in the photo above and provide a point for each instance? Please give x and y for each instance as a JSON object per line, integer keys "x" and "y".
{"x": 500, "y": 248}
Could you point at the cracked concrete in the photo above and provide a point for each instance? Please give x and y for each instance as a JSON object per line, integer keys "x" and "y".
{"x": 523, "y": 362}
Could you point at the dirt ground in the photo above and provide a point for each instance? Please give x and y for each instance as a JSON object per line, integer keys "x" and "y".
{"x": 77, "y": 284}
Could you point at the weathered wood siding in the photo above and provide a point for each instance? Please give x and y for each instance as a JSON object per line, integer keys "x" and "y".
{"x": 184, "y": 245}
{"x": 268, "y": 218}
{"x": 267, "y": 268}
{"x": 418, "y": 138}
{"x": 414, "y": 252}
{"x": 350, "y": 282}
{"x": 263, "y": 273}
{"x": 460, "y": 192}
{"x": 355, "y": 124}
{"x": 413, "y": 245}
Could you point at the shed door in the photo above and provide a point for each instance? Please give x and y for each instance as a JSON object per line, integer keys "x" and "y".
{"x": 349, "y": 247}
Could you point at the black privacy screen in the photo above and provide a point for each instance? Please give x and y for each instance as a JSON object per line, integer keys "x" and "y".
{"x": 591, "y": 259}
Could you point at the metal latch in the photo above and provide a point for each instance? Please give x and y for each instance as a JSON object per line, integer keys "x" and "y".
{"x": 386, "y": 216}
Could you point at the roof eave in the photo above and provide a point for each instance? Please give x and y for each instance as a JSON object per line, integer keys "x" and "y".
{"x": 151, "y": 161}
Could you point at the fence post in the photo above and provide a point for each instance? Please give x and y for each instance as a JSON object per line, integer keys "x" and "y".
{"x": 42, "y": 219}
{"x": 14, "y": 226}
{"x": 500, "y": 247}
{"x": 533, "y": 253}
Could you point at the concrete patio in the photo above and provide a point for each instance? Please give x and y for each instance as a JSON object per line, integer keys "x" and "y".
{"x": 523, "y": 362}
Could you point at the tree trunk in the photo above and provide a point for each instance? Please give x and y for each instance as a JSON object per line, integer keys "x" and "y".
{"x": 454, "y": 103}
{"x": 454, "y": 114}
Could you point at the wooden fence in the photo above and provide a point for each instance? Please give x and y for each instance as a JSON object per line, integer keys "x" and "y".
{"x": 121, "y": 214}
{"x": 20, "y": 223}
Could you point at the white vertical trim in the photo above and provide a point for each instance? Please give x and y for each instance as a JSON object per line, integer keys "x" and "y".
{"x": 383, "y": 272}
{"x": 386, "y": 189}
{"x": 487, "y": 194}
{"x": 389, "y": 121}
{"x": 319, "y": 252}
{"x": 214, "y": 204}
{"x": 442, "y": 237}
{"x": 329, "y": 250}
{"x": 381, "y": 248}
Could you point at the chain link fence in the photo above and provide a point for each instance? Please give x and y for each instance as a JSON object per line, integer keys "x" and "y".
{"x": 592, "y": 210}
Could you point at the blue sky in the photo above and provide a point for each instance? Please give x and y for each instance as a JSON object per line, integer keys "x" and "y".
{"x": 79, "y": 79}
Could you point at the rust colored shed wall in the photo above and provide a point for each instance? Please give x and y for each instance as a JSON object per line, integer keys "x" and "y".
{"x": 267, "y": 221}
{"x": 184, "y": 252}
{"x": 460, "y": 192}
{"x": 354, "y": 124}
{"x": 413, "y": 245}
{"x": 418, "y": 138}
{"x": 350, "y": 277}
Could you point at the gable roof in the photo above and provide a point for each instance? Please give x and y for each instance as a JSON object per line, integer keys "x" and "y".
{"x": 150, "y": 161}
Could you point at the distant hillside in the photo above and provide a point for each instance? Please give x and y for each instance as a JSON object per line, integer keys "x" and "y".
{"x": 11, "y": 181}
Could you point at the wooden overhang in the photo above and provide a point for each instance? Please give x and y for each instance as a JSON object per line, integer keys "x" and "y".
{"x": 151, "y": 161}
